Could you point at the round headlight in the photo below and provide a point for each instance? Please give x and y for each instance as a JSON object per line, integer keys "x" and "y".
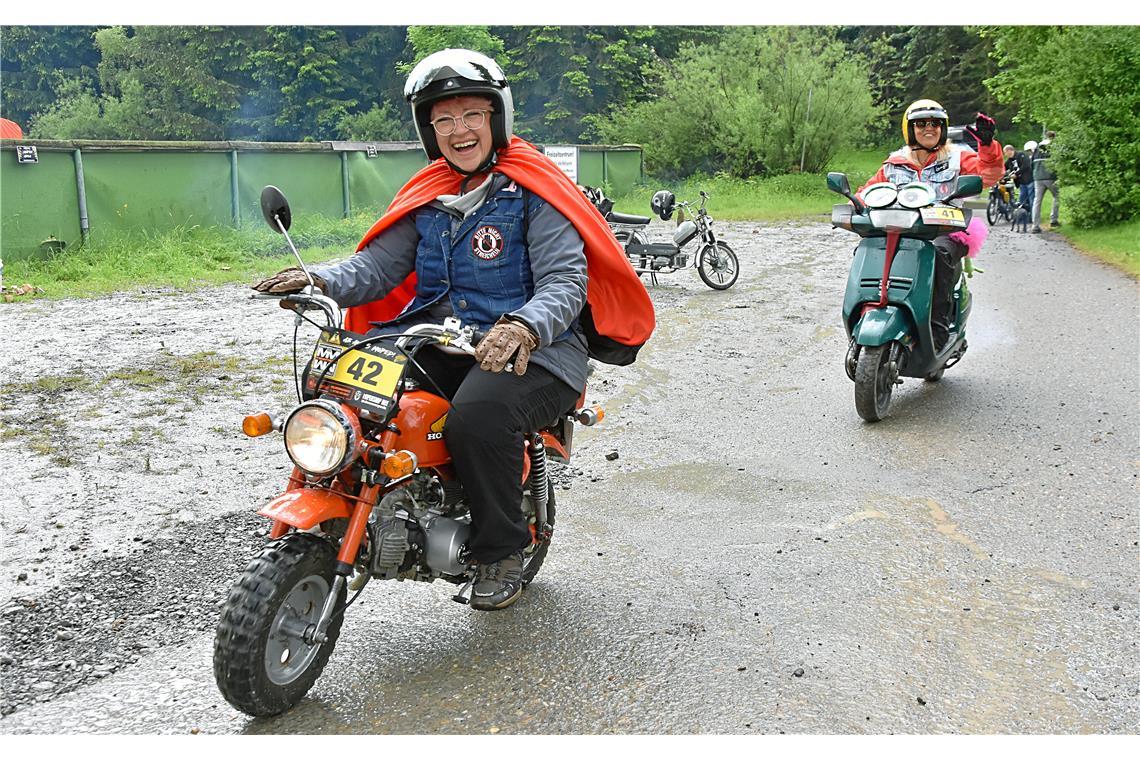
{"x": 879, "y": 195}
{"x": 320, "y": 437}
{"x": 916, "y": 195}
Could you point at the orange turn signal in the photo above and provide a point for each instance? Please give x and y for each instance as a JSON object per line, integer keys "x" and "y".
{"x": 257, "y": 424}
{"x": 399, "y": 464}
{"x": 590, "y": 415}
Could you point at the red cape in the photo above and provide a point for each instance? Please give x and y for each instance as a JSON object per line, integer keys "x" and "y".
{"x": 619, "y": 303}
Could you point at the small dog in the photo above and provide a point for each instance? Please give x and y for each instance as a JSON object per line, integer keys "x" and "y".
{"x": 1020, "y": 222}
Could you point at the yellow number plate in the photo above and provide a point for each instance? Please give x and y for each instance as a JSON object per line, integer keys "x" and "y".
{"x": 943, "y": 215}
{"x": 367, "y": 377}
{"x": 368, "y": 372}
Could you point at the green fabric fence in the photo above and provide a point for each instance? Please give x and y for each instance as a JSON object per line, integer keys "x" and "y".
{"x": 78, "y": 190}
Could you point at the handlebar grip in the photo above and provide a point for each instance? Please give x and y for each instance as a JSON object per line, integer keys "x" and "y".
{"x": 477, "y": 337}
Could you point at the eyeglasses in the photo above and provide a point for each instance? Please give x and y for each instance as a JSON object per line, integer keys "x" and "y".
{"x": 446, "y": 125}
{"x": 924, "y": 123}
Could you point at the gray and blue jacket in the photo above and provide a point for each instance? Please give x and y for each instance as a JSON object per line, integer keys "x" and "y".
{"x": 498, "y": 258}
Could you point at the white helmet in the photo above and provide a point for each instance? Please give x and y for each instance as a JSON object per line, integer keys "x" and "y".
{"x": 1031, "y": 145}
{"x": 454, "y": 72}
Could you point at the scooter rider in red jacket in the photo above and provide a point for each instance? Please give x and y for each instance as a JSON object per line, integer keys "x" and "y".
{"x": 928, "y": 157}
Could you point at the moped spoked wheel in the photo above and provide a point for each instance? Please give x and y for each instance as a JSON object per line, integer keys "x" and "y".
{"x": 262, "y": 663}
{"x": 718, "y": 267}
{"x": 993, "y": 212}
{"x": 535, "y": 554}
{"x": 874, "y": 382}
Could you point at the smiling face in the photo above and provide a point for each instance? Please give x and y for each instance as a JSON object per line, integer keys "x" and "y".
{"x": 466, "y": 148}
{"x": 929, "y": 134}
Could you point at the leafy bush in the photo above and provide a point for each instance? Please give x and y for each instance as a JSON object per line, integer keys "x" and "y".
{"x": 741, "y": 105}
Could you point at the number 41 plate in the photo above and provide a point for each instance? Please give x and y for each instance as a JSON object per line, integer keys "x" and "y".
{"x": 947, "y": 215}
{"x": 366, "y": 377}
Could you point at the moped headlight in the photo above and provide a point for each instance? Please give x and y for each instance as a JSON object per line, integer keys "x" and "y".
{"x": 893, "y": 219}
{"x": 879, "y": 195}
{"x": 321, "y": 437}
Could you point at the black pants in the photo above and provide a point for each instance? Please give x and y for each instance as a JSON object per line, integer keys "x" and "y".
{"x": 947, "y": 272}
{"x": 491, "y": 414}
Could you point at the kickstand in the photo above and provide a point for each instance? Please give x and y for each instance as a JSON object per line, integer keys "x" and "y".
{"x": 459, "y": 597}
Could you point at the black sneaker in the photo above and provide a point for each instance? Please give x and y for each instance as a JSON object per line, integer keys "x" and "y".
{"x": 499, "y": 584}
{"x": 1036, "y": 229}
{"x": 1053, "y": 225}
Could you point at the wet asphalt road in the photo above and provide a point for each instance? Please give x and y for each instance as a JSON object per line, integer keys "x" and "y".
{"x": 759, "y": 560}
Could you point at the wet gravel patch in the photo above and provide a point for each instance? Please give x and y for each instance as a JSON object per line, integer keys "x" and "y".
{"x": 113, "y": 611}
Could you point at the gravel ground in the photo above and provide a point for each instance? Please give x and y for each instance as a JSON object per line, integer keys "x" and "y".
{"x": 993, "y": 581}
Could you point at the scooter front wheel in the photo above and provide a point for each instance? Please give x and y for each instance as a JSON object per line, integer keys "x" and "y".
{"x": 262, "y": 662}
{"x": 874, "y": 382}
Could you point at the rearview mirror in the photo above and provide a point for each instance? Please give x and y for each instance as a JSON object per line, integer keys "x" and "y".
{"x": 837, "y": 183}
{"x": 275, "y": 209}
{"x": 968, "y": 184}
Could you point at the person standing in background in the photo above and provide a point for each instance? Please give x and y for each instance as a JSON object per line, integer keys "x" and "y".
{"x": 1044, "y": 178}
{"x": 1024, "y": 178}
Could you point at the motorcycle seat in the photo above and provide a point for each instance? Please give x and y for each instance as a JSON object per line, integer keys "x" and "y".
{"x": 617, "y": 218}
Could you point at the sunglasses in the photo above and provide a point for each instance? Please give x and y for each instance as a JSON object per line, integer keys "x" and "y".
{"x": 924, "y": 123}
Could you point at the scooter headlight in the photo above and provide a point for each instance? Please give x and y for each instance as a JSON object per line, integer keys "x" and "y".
{"x": 916, "y": 195}
{"x": 879, "y": 195}
{"x": 321, "y": 437}
{"x": 893, "y": 219}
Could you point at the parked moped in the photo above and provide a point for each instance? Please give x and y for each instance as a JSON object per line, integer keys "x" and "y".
{"x": 888, "y": 303}
{"x": 715, "y": 261}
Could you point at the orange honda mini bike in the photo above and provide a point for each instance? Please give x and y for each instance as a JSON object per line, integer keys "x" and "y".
{"x": 372, "y": 495}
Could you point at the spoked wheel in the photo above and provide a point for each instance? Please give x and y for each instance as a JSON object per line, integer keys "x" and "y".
{"x": 875, "y": 374}
{"x": 262, "y": 662}
{"x": 993, "y": 210}
{"x": 718, "y": 266}
{"x": 535, "y": 554}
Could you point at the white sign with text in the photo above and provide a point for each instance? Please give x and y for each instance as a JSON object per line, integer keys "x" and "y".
{"x": 566, "y": 157}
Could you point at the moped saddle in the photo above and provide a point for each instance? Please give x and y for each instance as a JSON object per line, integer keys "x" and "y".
{"x": 617, "y": 218}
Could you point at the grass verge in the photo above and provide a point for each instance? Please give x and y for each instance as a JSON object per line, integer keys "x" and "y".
{"x": 185, "y": 257}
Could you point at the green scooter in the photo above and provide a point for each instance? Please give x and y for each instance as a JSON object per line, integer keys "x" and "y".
{"x": 887, "y": 307}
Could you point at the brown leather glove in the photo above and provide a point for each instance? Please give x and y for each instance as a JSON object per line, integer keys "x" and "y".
{"x": 291, "y": 280}
{"x": 502, "y": 342}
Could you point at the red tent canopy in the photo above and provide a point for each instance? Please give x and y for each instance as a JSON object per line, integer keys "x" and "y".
{"x": 10, "y": 130}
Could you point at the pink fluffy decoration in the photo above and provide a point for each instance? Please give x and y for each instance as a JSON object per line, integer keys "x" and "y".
{"x": 973, "y": 236}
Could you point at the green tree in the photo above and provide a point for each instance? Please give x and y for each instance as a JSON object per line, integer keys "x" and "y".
{"x": 135, "y": 99}
{"x": 946, "y": 63}
{"x": 742, "y": 105}
{"x": 1084, "y": 83}
{"x": 37, "y": 62}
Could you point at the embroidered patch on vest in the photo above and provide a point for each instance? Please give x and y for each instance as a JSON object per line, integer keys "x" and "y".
{"x": 487, "y": 242}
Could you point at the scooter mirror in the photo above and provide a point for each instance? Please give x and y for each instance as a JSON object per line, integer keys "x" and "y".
{"x": 968, "y": 184}
{"x": 274, "y": 207}
{"x": 837, "y": 183}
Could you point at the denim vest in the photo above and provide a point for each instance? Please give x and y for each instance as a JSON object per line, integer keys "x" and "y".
{"x": 941, "y": 174}
{"x": 482, "y": 267}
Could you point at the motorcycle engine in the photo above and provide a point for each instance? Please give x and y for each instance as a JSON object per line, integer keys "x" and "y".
{"x": 420, "y": 531}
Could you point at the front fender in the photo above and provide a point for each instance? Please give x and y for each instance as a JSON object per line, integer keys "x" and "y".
{"x": 303, "y": 508}
{"x": 879, "y": 327}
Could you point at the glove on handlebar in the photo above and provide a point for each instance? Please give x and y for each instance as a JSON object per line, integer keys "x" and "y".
{"x": 291, "y": 280}
{"x": 502, "y": 342}
{"x": 983, "y": 129}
